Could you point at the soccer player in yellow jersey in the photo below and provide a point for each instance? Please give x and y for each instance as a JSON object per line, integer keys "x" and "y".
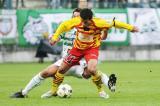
{"x": 86, "y": 44}
{"x": 76, "y": 71}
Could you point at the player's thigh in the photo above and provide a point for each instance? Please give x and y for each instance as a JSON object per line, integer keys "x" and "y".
{"x": 52, "y": 69}
{"x": 64, "y": 67}
{"x": 58, "y": 62}
{"x": 91, "y": 56}
{"x": 92, "y": 64}
{"x": 92, "y": 53}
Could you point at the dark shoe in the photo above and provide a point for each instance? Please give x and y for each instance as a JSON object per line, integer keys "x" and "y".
{"x": 18, "y": 95}
{"x": 112, "y": 82}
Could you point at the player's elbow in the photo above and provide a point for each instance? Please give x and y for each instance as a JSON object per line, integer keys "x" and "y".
{"x": 104, "y": 35}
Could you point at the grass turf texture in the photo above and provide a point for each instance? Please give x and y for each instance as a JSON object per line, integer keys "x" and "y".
{"x": 138, "y": 85}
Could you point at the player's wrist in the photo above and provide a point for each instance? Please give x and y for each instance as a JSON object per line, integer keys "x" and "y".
{"x": 53, "y": 38}
{"x": 135, "y": 29}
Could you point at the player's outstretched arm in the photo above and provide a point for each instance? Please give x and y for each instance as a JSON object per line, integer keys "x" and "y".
{"x": 119, "y": 24}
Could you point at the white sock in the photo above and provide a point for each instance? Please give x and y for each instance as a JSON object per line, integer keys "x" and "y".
{"x": 35, "y": 81}
{"x": 105, "y": 79}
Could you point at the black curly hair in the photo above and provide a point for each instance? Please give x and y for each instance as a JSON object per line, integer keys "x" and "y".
{"x": 86, "y": 14}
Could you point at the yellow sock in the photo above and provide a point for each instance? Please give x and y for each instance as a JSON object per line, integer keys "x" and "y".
{"x": 97, "y": 81}
{"x": 57, "y": 81}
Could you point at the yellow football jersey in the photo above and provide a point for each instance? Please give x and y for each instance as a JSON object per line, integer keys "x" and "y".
{"x": 90, "y": 38}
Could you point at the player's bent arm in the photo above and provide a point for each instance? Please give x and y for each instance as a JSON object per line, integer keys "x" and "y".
{"x": 65, "y": 26}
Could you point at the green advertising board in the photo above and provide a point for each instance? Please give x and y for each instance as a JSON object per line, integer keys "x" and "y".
{"x": 33, "y": 23}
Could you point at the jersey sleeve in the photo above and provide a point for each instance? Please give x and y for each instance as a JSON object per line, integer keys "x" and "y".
{"x": 65, "y": 26}
{"x": 102, "y": 23}
{"x": 106, "y": 24}
{"x": 119, "y": 24}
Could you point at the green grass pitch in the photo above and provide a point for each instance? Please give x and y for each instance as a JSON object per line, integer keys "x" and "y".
{"x": 138, "y": 85}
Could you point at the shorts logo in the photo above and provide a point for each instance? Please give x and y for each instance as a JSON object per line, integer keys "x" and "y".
{"x": 93, "y": 55}
{"x": 69, "y": 59}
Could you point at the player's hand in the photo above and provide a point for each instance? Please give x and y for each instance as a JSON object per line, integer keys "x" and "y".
{"x": 52, "y": 41}
{"x": 104, "y": 35}
{"x": 135, "y": 29}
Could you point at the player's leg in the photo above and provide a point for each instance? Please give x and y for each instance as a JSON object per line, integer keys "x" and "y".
{"x": 77, "y": 70}
{"x": 37, "y": 79}
{"x": 71, "y": 59}
{"x": 96, "y": 77}
{"x": 59, "y": 77}
{"x": 109, "y": 82}
{"x": 91, "y": 57}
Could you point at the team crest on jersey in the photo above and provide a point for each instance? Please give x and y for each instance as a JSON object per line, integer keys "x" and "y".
{"x": 85, "y": 38}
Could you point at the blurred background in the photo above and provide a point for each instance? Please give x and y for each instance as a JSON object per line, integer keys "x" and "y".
{"x": 24, "y": 25}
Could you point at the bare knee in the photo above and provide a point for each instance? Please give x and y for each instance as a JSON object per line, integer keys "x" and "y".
{"x": 92, "y": 67}
{"x": 49, "y": 71}
{"x": 45, "y": 74}
{"x": 91, "y": 70}
{"x": 64, "y": 68}
{"x": 86, "y": 74}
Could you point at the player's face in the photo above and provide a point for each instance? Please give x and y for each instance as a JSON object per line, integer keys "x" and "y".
{"x": 76, "y": 14}
{"x": 86, "y": 24}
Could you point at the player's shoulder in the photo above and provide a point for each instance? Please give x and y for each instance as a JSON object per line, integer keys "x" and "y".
{"x": 72, "y": 22}
{"x": 99, "y": 21}
{"x": 76, "y": 19}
